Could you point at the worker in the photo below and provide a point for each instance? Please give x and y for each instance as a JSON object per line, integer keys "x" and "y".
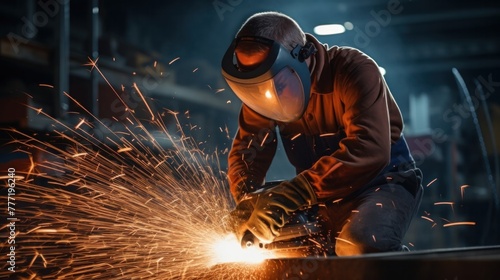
{"x": 341, "y": 129}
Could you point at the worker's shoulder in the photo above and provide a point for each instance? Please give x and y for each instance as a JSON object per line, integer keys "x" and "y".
{"x": 348, "y": 55}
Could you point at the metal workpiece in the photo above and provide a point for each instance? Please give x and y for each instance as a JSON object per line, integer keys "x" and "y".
{"x": 458, "y": 263}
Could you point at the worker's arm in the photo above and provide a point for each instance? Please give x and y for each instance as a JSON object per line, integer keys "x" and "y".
{"x": 252, "y": 152}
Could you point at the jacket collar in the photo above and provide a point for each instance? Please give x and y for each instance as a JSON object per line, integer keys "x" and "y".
{"x": 321, "y": 78}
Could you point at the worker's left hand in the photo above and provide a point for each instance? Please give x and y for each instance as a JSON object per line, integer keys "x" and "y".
{"x": 267, "y": 211}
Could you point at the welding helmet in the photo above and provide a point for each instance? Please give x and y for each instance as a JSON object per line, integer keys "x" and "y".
{"x": 278, "y": 87}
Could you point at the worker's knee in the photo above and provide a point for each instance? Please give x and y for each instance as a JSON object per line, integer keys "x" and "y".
{"x": 346, "y": 246}
{"x": 357, "y": 240}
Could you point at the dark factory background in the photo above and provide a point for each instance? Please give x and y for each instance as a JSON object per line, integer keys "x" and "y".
{"x": 441, "y": 60}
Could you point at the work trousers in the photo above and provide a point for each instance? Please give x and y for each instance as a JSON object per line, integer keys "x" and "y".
{"x": 376, "y": 218}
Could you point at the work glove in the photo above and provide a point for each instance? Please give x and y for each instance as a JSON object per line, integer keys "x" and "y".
{"x": 265, "y": 211}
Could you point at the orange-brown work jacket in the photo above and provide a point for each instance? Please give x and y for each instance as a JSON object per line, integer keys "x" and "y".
{"x": 342, "y": 141}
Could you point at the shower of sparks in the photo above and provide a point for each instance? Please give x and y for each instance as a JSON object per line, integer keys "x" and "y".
{"x": 122, "y": 206}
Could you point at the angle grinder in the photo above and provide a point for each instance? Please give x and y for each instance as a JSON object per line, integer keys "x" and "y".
{"x": 304, "y": 234}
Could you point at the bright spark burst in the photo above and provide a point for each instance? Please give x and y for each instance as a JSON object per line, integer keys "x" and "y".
{"x": 108, "y": 212}
{"x": 228, "y": 249}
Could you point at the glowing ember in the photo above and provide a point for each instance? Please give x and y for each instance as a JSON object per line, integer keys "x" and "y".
{"x": 144, "y": 100}
{"x": 431, "y": 182}
{"x": 445, "y": 203}
{"x": 295, "y": 136}
{"x": 427, "y": 218}
{"x": 462, "y": 190}
{"x": 344, "y": 240}
{"x": 122, "y": 150}
{"x": 264, "y": 140}
{"x": 460, "y": 224}
{"x": 46, "y": 85}
{"x": 174, "y": 60}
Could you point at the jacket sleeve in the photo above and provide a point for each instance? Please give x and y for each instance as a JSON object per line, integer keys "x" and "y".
{"x": 365, "y": 150}
{"x": 251, "y": 154}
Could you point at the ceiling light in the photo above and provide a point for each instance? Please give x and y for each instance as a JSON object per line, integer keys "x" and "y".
{"x": 329, "y": 29}
{"x": 348, "y": 25}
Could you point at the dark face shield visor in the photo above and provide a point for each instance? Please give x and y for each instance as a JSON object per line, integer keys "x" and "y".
{"x": 278, "y": 88}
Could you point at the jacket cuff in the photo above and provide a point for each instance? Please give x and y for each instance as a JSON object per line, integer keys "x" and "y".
{"x": 243, "y": 187}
